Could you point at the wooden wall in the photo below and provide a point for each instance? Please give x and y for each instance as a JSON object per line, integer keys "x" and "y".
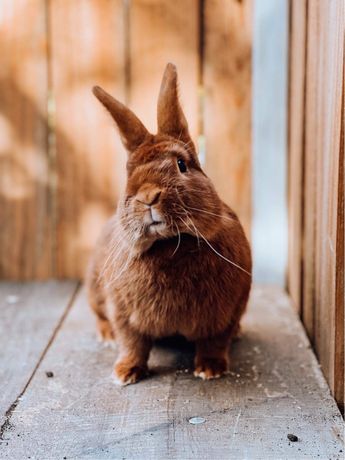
{"x": 316, "y": 179}
{"x": 61, "y": 162}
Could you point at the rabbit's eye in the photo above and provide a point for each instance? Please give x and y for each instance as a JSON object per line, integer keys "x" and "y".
{"x": 182, "y": 166}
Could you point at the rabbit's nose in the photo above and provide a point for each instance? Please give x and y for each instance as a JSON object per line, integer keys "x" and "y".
{"x": 149, "y": 197}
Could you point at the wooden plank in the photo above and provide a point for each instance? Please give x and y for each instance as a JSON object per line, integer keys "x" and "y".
{"x": 322, "y": 208}
{"x": 339, "y": 339}
{"x": 331, "y": 20}
{"x": 271, "y": 391}
{"x": 298, "y": 22}
{"x": 87, "y": 48}
{"x": 335, "y": 216}
{"x": 227, "y": 105}
{"x": 30, "y": 314}
{"x": 339, "y": 352}
{"x": 25, "y": 186}
{"x": 312, "y": 140}
{"x": 161, "y": 32}
{"x": 321, "y": 310}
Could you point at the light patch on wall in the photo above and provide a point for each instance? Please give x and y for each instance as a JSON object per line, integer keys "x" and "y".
{"x": 6, "y": 136}
{"x": 270, "y": 70}
{"x": 90, "y": 222}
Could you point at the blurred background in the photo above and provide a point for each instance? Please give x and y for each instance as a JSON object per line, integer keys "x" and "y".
{"x": 62, "y": 165}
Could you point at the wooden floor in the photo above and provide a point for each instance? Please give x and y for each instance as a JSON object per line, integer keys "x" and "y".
{"x": 275, "y": 389}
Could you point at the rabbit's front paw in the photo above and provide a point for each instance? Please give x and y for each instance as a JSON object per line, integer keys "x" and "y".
{"x": 210, "y": 368}
{"x": 126, "y": 373}
{"x": 105, "y": 331}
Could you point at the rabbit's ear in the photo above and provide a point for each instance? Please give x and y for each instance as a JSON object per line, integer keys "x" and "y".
{"x": 170, "y": 117}
{"x": 132, "y": 131}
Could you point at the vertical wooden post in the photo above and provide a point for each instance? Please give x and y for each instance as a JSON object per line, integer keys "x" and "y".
{"x": 25, "y": 186}
{"x": 322, "y": 210}
{"x": 339, "y": 319}
{"x": 312, "y": 140}
{"x": 227, "y": 81}
{"x": 298, "y": 30}
{"x": 87, "y": 49}
{"x": 161, "y": 32}
{"x": 331, "y": 20}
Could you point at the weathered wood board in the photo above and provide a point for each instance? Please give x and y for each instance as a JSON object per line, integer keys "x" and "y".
{"x": 29, "y": 316}
{"x": 26, "y": 246}
{"x": 160, "y": 32}
{"x": 297, "y": 76}
{"x": 316, "y": 265}
{"x": 89, "y": 159}
{"x": 274, "y": 388}
{"x": 316, "y": 179}
{"x": 339, "y": 316}
{"x": 227, "y": 70}
{"x": 330, "y": 39}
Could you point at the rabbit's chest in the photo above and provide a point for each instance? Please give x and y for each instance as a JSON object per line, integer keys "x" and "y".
{"x": 164, "y": 306}
{"x": 193, "y": 293}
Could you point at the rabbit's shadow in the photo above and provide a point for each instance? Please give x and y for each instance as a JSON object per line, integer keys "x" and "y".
{"x": 171, "y": 354}
{"x": 176, "y": 355}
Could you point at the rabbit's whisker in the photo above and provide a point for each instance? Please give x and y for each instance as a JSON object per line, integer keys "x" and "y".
{"x": 178, "y": 242}
{"x": 119, "y": 245}
{"x": 190, "y": 219}
{"x": 191, "y": 230}
{"x": 210, "y": 245}
{"x": 211, "y": 213}
{"x": 221, "y": 255}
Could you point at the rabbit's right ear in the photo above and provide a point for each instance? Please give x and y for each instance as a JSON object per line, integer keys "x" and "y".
{"x": 132, "y": 131}
{"x": 170, "y": 116}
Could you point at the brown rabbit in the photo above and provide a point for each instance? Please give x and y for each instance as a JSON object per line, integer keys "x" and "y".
{"x": 174, "y": 258}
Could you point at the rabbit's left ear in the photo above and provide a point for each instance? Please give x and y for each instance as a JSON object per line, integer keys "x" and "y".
{"x": 170, "y": 117}
{"x": 132, "y": 131}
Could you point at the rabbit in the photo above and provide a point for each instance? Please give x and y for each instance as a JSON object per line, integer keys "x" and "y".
{"x": 174, "y": 258}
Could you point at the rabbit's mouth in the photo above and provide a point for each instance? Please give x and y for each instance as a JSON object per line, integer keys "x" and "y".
{"x": 156, "y": 227}
{"x": 156, "y": 222}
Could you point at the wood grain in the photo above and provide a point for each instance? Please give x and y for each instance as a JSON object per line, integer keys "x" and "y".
{"x": 272, "y": 390}
{"x": 87, "y": 48}
{"x": 298, "y": 21}
{"x": 30, "y": 314}
{"x": 312, "y": 140}
{"x": 161, "y": 32}
{"x": 331, "y": 54}
{"x": 321, "y": 211}
{"x": 25, "y": 184}
{"x": 339, "y": 339}
{"x": 227, "y": 105}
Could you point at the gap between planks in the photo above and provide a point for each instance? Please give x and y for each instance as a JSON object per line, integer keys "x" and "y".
{"x": 63, "y": 309}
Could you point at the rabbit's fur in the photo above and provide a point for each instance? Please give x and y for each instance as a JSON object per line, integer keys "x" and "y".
{"x": 174, "y": 258}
